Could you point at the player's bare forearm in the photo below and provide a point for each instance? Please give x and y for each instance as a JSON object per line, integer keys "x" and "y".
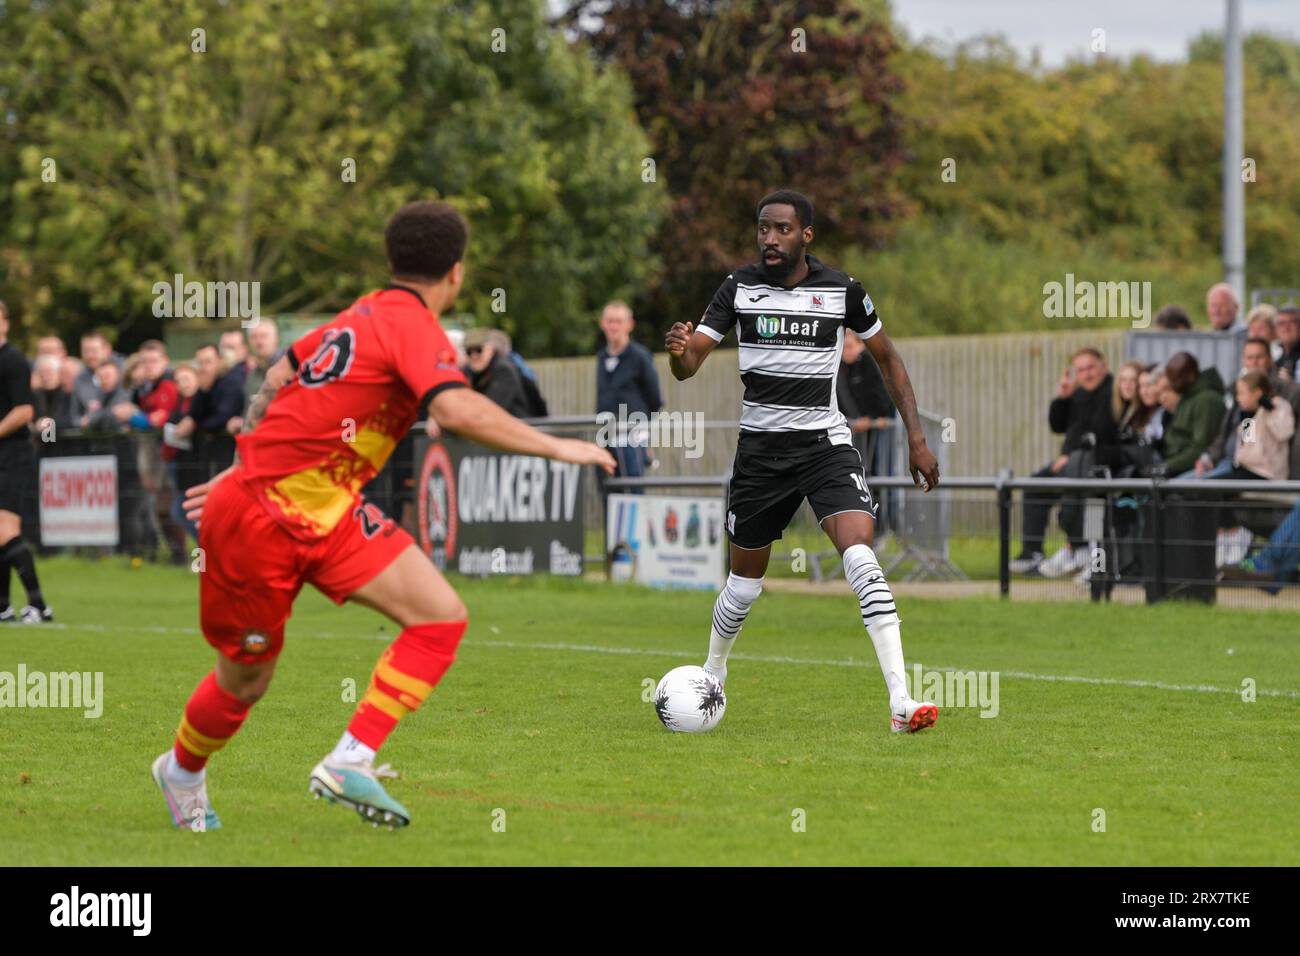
{"x": 476, "y": 417}
{"x": 922, "y": 462}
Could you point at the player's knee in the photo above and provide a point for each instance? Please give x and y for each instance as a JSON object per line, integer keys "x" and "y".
{"x": 745, "y": 589}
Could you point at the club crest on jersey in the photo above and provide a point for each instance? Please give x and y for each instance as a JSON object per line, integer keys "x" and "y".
{"x": 332, "y": 360}
{"x": 254, "y": 642}
{"x": 770, "y": 326}
{"x": 818, "y": 302}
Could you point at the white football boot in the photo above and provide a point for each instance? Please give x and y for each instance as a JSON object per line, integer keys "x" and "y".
{"x": 911, "y": 715}
{"x": 187, "y": 804}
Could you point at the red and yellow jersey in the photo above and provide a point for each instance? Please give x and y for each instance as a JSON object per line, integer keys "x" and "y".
{"x": 362, "y": 381}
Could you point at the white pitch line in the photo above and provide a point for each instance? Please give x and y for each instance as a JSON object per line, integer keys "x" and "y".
{"x": 757, "y": 658}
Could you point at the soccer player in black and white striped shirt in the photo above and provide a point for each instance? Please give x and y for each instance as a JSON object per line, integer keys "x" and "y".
{"x": 791, "y": 313}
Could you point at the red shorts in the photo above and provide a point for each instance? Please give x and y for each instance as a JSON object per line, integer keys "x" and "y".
{"x": 254, "y": 568}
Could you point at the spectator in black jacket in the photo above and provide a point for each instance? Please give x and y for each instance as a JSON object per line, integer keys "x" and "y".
{"x": 493, "y": 374}
{"x": 864, "y": 400}
{"x": 1287, "y": 325}
{"x": 1082, "y": 408}
{"x": 626, "y": 382}
{"x": 220, "y": 398}
{"x": 52, "y": 402}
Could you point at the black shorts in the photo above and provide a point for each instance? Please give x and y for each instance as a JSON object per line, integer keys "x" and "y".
{"x": 774, "y": 473}
{"x": 18, "y": 478}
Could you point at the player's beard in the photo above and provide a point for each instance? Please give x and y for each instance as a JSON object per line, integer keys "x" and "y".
{"x": 781, "y": 270}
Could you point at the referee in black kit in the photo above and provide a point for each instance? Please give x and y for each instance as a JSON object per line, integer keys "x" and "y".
{"x": 17, "y": 481}
{"x": 791, "y": 313}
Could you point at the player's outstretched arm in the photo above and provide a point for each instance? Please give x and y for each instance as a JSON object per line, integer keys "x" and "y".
{"x": 687, "y": 349}
{"x": 478, "y": 418}
{"x": 922, "y": 464}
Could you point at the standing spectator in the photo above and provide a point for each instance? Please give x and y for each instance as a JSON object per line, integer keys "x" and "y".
{"x": 863, "y": 398}
{"x": 493, "y": 374}
{"x": 95, "y": 351}
{"x": 153, "y": 402}
{"x": 1082, "y": 408}
{"x": 220, "y": 398}
{"x": 51, "y": 345}
{"x": 47, "y": 345}
{"x": 100, "y": 414}
{"x": 182, "y": 462}
{"x": 1222, "y": 307}
{"x": 264, "y": 346}
{"x": 52, "y": 404}
{"x": 17, "y": 481}
{"x": 1199, "y": 415}
{"x": 234, "y": 354}
{"x": 1173, "y": 318}
{"x": 527, "y": 377}
{"x": 626, "y": 382}
{"x": 69, "y": 372}
{"x": 1287, "y": 325}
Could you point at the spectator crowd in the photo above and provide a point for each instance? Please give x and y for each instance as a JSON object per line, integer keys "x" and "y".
{"x": 1180, "y": 420}
{"x": 185, "y": 415}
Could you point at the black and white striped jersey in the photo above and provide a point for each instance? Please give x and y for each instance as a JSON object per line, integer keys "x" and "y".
{"x": 790, "y": 344}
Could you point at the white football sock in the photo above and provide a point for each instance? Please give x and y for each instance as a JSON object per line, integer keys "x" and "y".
{"x": 879, "y": 615}
{"x": 729, "y": 613}
{"x": 351, "y": 750}
{"x": 179, "y": 775}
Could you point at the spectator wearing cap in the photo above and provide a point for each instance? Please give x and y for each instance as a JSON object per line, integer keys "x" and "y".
{"x": 493, "y": 374}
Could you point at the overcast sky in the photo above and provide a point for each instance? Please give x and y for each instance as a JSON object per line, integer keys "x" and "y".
{"x": 1062, "y": 27}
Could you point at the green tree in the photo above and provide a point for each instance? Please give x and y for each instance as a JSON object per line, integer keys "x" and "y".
{"x": 269, "y": 141}
{"x": 744, "y": 96}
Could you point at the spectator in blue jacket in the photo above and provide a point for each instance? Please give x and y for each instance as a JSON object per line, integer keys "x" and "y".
{"x": 626, "y": 382}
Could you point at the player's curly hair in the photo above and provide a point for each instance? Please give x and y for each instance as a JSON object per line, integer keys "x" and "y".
{"x": 803, "y": 207}
{"x": 424, "y": 240}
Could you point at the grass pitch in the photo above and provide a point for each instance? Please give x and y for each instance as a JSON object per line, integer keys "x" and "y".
{"x": 541, "y": 726}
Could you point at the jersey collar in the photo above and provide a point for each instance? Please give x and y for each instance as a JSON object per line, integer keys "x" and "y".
{"x": 398, "y": 287}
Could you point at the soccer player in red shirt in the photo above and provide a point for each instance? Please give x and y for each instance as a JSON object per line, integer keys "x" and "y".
{"x": 290, "y": 511}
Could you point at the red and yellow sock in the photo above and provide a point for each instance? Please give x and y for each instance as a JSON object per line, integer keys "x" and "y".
{"x": 211, "y": 718}
{"x": 406, "y": 674}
